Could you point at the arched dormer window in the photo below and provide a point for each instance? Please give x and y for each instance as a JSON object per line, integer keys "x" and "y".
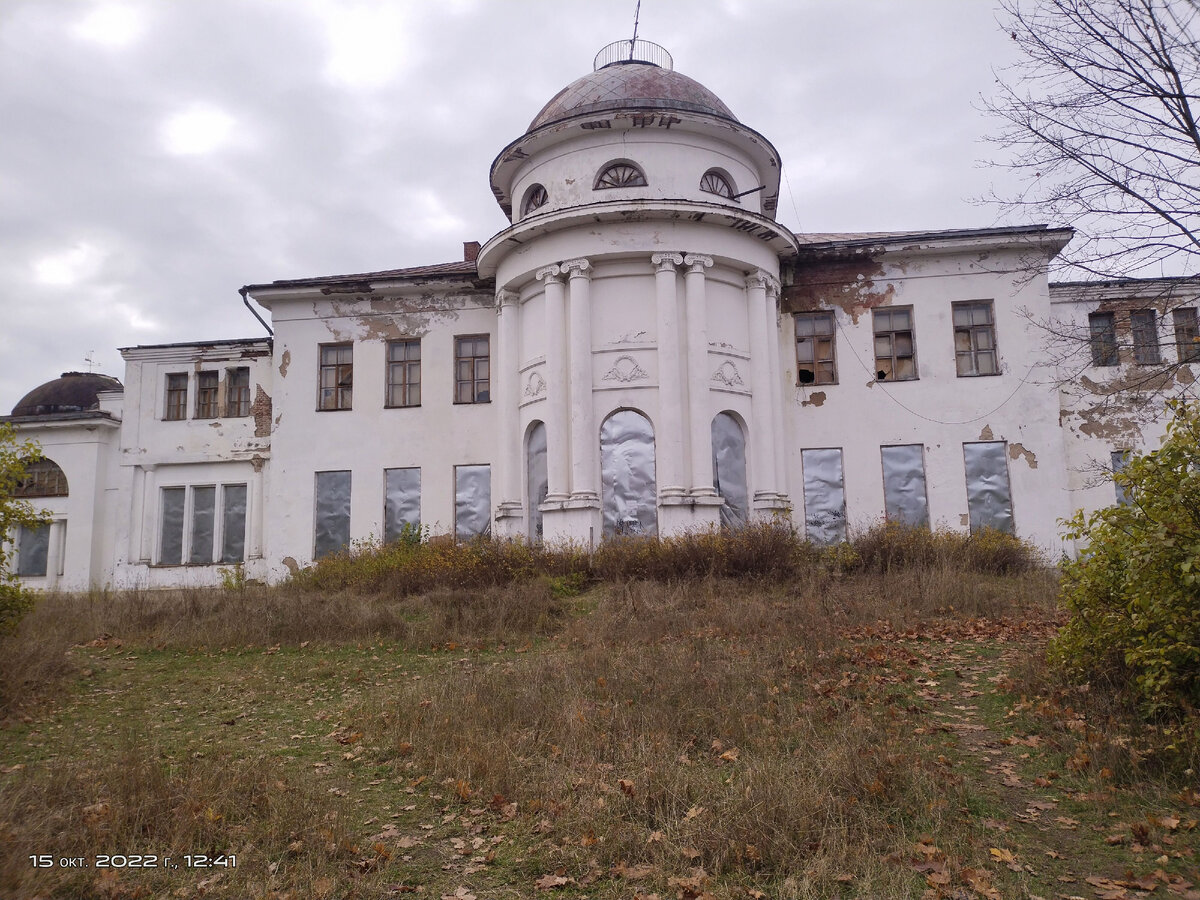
{"x": 714, "y": 181}
{"x": 42, "y": 478}
{"x": 535, "y": 197}
{"x": 620, "y": 174}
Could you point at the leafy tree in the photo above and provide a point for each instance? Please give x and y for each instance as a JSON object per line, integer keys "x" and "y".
{"x": 15, "y": 457}
{"x": 1134, "y": 594}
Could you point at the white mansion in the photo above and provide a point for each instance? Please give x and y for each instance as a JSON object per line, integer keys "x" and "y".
{"x": 643, "y": 350}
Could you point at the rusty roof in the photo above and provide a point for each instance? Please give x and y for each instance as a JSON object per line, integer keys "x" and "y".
{"x": 630, "y": 85}
{"x": 73, "y": 392}
{"x": 459, "y": 269}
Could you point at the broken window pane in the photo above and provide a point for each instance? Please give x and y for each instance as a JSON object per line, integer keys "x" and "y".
{"x": 1103, "y": 327}
{"x": 33, "y": 550}
{"x": 536, "y": 478}
{"x": 170, "y": 547}
{"x": 233, "y": 523}
{"x": 627, "y": 474}
{"x": 989, "y": 500}
{"x": 1120, "y": 459}
{"x": 401, "y": 503}
{"x": 204, "y": 518}
{"x": 974, "y": 338}
{"x": 472, "y": 501}
{"x": 1144, "y": 323}
{"x": 42, "y": 478}
{"x": 816, "y": 353}
{"x": 1187, "y": 334}
{"x": 904, "y": 497}
{"x": 895, "y": 350}
{"x": 824, "y": 496}
{"x": 729, "y": 470}
{"x": 332, "y": 513}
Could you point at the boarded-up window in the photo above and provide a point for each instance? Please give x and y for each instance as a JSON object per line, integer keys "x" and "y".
{"x": 170, "y": 542}
{"x": 729, "y": 470}
{"x": 204, "y": 520}
{"x": 630, "y": 494}
{"x": 401, "y": 503}
{"x": 989, "y": 500}
{"x": 331, "y": 513}
{"x": 233, "y": 523}
{"x": 904, "y": 497}
{"x": 33, "y": 550}
{"x": 824, "y": 496}
{"x": 536, "y": 477}
{"x": 1120, "y": 459}
{"x": 472, "y": 501}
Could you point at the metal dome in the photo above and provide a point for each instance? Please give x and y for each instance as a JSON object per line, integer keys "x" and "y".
{"x": 72, "y": 392}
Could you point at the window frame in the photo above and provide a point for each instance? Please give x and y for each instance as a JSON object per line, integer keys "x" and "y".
{"x": 1143, "y": 328}
{"x": 459, "y": 358}
{"x": 536, "y": 196}
{"x": 42, "y": 478}
{"x": 639, "y": 180}
{"x": 340, "y": 391}
{"x": 1102, "y": 342}
{"x": 911, "y": 331}
{"x": 175, "y": 405}
{"x": 722, "y": 178}
{"x": 405, "y": 385}
{"x": 815, "y": 339}
{"x": 187, "y": 529}
{"x": 234, "y": 405}
{"x": 208, "y": 394}
{"x": 1187, "y": 334}
{"x": 972, "y": 331}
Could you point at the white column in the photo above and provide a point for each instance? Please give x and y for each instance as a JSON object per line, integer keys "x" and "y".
{"x": 136, "y": 515}
{"x": 773, "y": 290}
{"x": 147, "y": 522}
{"x": 255, "y": 513}
{"x": 668, "y": 437}
{"x": 762, "y": 427}
{"x": 585, "y": 471}
{"x": 699, "y": 424}
{"x": 557, "y": 399}
{"x": 507, "y": 375}
{"x": 54, "y": 552}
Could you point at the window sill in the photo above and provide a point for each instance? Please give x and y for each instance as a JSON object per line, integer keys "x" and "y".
{"x": 336, "y": 409}
{"x": 471, "y": 402}
{"x": 402, "y": 406}
{"x": 979, "y": 374}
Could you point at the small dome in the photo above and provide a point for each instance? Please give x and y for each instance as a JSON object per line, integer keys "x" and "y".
{"x": 631, "y": 84}
{"x": 73, "y": 392}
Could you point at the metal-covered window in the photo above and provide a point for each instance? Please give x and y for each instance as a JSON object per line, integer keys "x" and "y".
{"x": 404, "y": 373}
{"x": 207, "y": 395}
{"x": 975, "y": 338}
{"x": 1102, "y": 328}
{"x": 537, "y": 480}
{"x": 331, "y": 513}
{"x": 173, "y": 501}
{"x": 824, "y": 496}
{"x": 337, "y": 376}
{"x": 176, "y": 405}
{"x": 472, "y": 369}
{"x": 1120, "y": 459}
{"x": 189, "y": 518}
{"x": 989, "y": 498}
{"x": 33, "y": 550}
{"x": 620, "y": 175}
{"x": 1187, "y": 334}
{"x": 1144, "y": 324}
{"x": 627, "y": 479}
{"x": 233, "y": 523}
{"x": 729, "y": 470}
{"x": 472, "y": 501}
{"x": 237, "y": 392}
{"x": 895, "y": 348}
{"x": 816, "y": 350}
{"x": 401, "y": 503}
{"x": 904, "y": 497}
{"x": 204, "y": 525}
{"x": 42, "y": 478}
{"x": 715, "y": 182}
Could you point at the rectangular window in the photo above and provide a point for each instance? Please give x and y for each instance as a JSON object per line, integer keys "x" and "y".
{"x": 1187, "y": 334}
{"x": 816, "y": 354}
{"x": 472, "y": 501}
{"x": 1103, "y": 329}
{"x": 204, "y": 521}
{"x": 895, "y": 349}
{"x": 337, "y": 376}
{"x": 989, "y": 500}
{"x": 170, "y": 539}
{"x": 824, "y": 496}
{"x": 472, "y": 369}
{"x": 233, "y": 523}
{"x": 401, "y": 503}
{"x": 207, "y": 392}
{"x": 404, "y": 373}
{"x": 331, "y": 512}
{"x": 1120, "y": 459}
{"x": 237, "y": 392}
{"x": 33, "y": 550}
{"x": 176, "y": 408}
{"x": 975, "y": 338}
{"x": 904, "y": 497}
{"x": 1144, "y": 324}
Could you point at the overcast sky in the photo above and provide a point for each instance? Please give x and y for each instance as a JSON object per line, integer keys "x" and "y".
{"x": 156, "y": 155}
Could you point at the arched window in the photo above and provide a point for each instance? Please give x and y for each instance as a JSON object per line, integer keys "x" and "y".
{"x": 729, "y": 469}
{"x": 535, "y": 197}
{"x": 620, "y": 174}
{"x": 537, "y": 482}
{"x": 714, "y": 181}
{"x": 42, "y": 478}
{"x": 630, "y": 495}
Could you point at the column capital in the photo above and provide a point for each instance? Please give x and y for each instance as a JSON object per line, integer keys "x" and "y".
{"x": 506, "y": 298}
{"x": 664, "y": 261}
{"x": 548, "y": 273}
{"x": 760, "y": 278}
{"x": 576, "y": 268}
{"x": 697, "y": 263}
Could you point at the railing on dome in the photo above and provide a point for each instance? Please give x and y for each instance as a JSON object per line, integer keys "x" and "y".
{"x": 633, "y": 51}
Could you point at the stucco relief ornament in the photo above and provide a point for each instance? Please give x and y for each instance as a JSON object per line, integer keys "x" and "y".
{"x": 727, "y": 374}
{"x": 536, "y": 386}
{"x": 625, "y": 370}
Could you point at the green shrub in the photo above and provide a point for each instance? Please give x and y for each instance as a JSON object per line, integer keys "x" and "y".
{"x": 1133, "y": 595}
